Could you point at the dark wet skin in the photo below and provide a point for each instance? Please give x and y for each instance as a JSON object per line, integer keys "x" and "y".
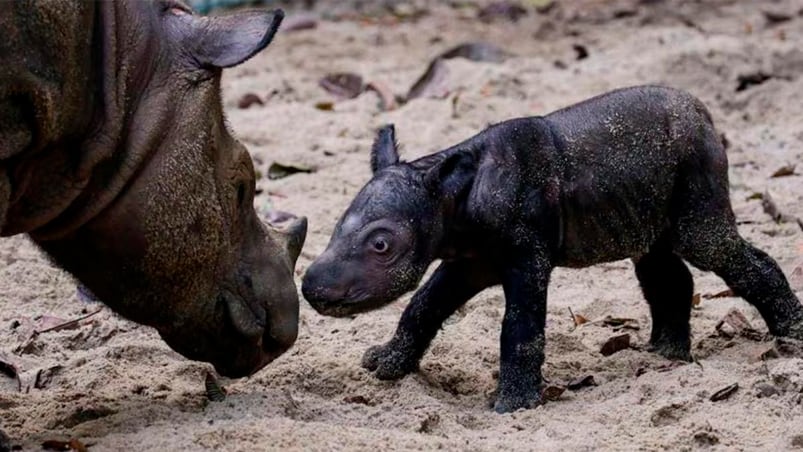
{"x": 637, "y": 173}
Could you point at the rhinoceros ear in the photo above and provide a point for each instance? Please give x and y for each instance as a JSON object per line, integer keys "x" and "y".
{"x": 385, "y": 151}
{"x": 225, "y": 41}
{"x": 449, "y": 176}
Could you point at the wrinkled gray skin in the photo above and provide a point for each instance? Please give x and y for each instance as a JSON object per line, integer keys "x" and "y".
{"x": 116, "y": 160}
{"x": 637, "y": 173}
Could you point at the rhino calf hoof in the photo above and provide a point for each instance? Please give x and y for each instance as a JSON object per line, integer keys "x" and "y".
{"x": 388, "y": 362}
{"x": 508, "y": 403}
{"x": 675, "y": 351}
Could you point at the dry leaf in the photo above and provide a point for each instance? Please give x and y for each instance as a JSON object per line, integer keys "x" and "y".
{"x": 786, "y": 170}
{"x": 214, "y": 391}
{"x": 553, "y": 392}
{"x": 72, "y": 444}
{"x": 618, "y": 323}
{"x": 248, "y": 100}
{"x": 739, "y": 325}
{"x": 280, "y": 170}
{"x": 387, "y": 101}
{"x": 724, "y": 393}
{"x": 727, "y": 293}
{"x": 432, "y": 83}
{"x": 343, "y": 85}
{"x": 325, "y": 106}
{"x": 581, "y": 382}
{"x": 615, "y": 344}
{"x": 764, "y": 354}
{"x": 695, "y": 300}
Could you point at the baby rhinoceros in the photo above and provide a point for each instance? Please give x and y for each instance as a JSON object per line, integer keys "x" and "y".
{"x": 636, "y": 173}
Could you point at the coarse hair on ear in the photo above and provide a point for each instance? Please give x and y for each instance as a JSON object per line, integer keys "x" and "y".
{"x": 224, "y": 41}
{"x": 385, "y": 151}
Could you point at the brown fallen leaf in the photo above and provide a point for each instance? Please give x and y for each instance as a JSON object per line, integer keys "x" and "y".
{"x": 786, "y": 170}
{"x": 553, "y": 392}
{"x": 724, "y": 393}
{"x": 432, "y": 83}
{"x": 727, "y": 293}
{"x": 72, "y": 444}
{"x": 618, "y": 323}
{"x": 248, "y": 100}
{"x": 577, "y": 318}
{"x": 358, "y": 399}
{"x": 615, "y": 344}
{"x": 765, "y": 353}
{"x": 214, "y": 392}
{"x": 325, "y": 106}
{"x": 387, "y": 101}
{"x": 777, "y": 17}
{"x": 695, "y": 300}
{"x": 278, "y": 170}
{"x": 61, "y": 324}
{"x": 581, "y": 382}
{"x": 343, "y": 85}
{"x": 476, "y": 51}
{"x": 734, "y": 323}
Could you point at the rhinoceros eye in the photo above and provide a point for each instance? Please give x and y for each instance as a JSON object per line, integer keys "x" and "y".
{"x": 380, "y": 245}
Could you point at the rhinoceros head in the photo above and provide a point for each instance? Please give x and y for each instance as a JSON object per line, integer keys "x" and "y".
{"x": 177, "y": 244}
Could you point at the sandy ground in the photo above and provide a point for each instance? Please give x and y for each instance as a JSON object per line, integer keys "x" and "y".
{"x": 116, "y": 386}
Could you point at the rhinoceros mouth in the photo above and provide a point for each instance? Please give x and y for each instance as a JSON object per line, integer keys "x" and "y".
{"x": 351, "y": 303}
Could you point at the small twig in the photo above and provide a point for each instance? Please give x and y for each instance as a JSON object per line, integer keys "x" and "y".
{"x": 574, "y": 321}
{"x": 69, "y": 323}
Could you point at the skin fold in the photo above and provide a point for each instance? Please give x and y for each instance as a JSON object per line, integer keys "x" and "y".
{"x": 636, "y": 173}
{"x": 116, "y": 160}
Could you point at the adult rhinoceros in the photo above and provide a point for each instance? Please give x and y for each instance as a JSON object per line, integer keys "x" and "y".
{"x": 116, "y": 160}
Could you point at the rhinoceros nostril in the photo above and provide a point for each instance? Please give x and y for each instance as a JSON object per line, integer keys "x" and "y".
{"x": 241, "y": 317}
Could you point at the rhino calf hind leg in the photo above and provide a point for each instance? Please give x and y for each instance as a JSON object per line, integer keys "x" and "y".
{"x": 668, "y": 288}
{"x": 752, "y": 275}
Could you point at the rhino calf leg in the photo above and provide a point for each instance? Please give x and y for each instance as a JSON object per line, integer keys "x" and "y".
{"x": 452, "y": 284}
{"x": 754, "y": 276}
{"x": 523, "y": 337}
{"x": 668, "y": 288}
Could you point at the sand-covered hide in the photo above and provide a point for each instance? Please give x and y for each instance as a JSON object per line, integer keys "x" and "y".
{"x": 117, "y": 386}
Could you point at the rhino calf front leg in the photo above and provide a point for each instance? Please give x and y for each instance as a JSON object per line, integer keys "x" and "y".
{"x": 523, "y": 338}
{"x": 452, "y": 284}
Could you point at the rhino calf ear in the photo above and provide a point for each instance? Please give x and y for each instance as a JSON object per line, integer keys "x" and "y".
{"x": 226, "y": 41}
{"x": 385, "y": 151}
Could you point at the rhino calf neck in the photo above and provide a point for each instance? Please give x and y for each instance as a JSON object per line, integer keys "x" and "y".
{"x": 637, "y": 173}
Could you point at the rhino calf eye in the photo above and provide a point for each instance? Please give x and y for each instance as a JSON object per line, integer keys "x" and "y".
{"x": 380, "y": 245}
